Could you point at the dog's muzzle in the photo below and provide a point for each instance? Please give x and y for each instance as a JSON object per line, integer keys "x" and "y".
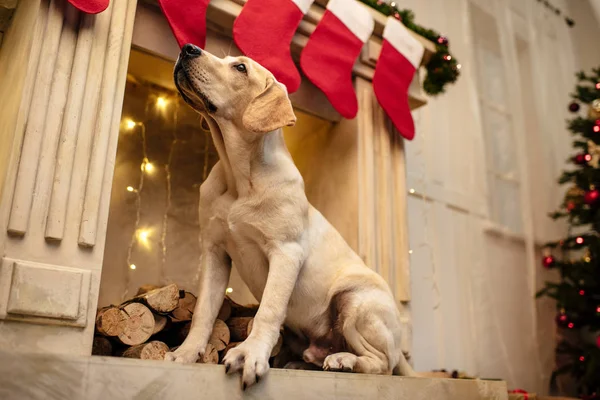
{"x": 188, "y": 53}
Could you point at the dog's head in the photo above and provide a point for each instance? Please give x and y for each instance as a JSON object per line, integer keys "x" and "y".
{"x": 237, "y": 89}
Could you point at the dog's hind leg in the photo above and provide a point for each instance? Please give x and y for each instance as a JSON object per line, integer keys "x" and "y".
{"x": 371, "y": 340}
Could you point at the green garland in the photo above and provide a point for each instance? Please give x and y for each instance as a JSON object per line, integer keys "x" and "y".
{"x": 442, "y": 68}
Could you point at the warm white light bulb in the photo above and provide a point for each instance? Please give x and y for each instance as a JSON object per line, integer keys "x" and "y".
{"x": 161, "y": 102}
{"x": 148, "y": 167}
{"x": 229, "y": 290}
{"x": 410, "y": 252}
{"x": 132, "y": 266}
{"x": 411, "y": 191}
{"x": 130, "y": 124}
{"x": 130, "y": 189}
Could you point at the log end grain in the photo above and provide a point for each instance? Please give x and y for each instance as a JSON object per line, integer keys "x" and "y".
{"x": 139, "y": 324}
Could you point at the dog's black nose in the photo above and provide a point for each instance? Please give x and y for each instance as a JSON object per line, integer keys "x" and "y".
{"x": 191, "y": 51}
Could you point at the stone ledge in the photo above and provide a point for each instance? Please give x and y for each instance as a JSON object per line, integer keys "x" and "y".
{"x": 37, "y": 377}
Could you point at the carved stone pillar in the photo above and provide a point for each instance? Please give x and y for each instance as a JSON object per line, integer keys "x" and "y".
{"x": 61, "y": 105}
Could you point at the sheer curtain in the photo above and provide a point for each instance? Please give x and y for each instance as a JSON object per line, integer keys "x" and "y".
{"x": 483, "y": 170}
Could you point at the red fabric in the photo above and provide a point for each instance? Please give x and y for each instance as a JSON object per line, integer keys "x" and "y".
{"x": 327, "y": 60}
{"x": 263, "y": 31}
{"x": 520, "y": 391}
{"x": 393, "y": 74}
{"x": 90, "y": 6}
{"x": 187, "y": 19}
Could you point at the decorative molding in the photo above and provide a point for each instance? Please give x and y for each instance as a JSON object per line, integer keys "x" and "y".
{"x": 60, "y": 123}
{"x": 44, "y": 294}
{"x": 88, "y": 30}
{"x": 34, "y": 134}
{"x": 383, "y": 225}
{"x": 117, "y": 57}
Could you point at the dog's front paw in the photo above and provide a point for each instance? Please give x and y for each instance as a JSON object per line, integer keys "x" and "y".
{"x": 344, "y": 362}
{"x": 183, "y": 355}
{"x": 251, "y": 358}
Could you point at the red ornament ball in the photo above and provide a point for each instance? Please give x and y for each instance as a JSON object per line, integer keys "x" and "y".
{"x": 597, "y": 122}
{"x": 574, "y": 107}
{"x": 582, "y": 292}
{"x": 548, "y": 261}
{"x": 581, "y": 358}
{"x": 591, "y": 197}
{"x": 397, "y": 16}
{"x": 579, "y": 240}
{"x": 443, "y": 40}
{"x": 571, "y": 325}
{"x": 562, "y": 320}
{"x": 596, "y": 128}
{"x": 580, "y": 159}
{"x": 598, "y": 85}
{"x": 570, "y": 206}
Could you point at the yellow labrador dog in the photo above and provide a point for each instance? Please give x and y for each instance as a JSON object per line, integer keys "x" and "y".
{"x": 254, "y": 212}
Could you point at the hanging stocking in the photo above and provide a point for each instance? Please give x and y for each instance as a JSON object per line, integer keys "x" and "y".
{"x": 90, "y": 6}
{"x": 263, "y": 31}
{"x": 187, "y": 19}
{"x": 400, "y": 57}
{"x": 332, "y": 49}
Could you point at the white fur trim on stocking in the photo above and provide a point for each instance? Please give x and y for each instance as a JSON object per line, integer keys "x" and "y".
{"x": 303, "y": 5}
{"x": 398, "y": 36}
{"x": 355, "y": 16}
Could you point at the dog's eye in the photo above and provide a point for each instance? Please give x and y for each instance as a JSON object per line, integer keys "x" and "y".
{"x": 240, "y": 67}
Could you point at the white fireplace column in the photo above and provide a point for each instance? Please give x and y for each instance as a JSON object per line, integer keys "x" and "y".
{"x": 61, "y": 93}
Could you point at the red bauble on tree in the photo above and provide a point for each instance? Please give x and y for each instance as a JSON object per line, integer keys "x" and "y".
{"x": 564, "y": 321}
{"x": 591, "y": 197}
{"x": 548, "y": 261}
{"x": 582, "y": 158}
{"x": 574, "y": 107}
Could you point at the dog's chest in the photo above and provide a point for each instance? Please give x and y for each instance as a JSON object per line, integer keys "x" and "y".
{"x": 233, "y": 227}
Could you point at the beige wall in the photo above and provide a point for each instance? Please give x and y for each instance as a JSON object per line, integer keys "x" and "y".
{"x": 586, "y": 32}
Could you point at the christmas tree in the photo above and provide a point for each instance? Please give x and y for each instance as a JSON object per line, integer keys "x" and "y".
{"x": 577, "y": 257}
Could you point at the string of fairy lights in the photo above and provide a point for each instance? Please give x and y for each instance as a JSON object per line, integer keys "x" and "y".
{"x": 142, "y": 236}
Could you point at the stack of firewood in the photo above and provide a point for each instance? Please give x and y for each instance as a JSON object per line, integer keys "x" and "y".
{"x": 158, "y": 319}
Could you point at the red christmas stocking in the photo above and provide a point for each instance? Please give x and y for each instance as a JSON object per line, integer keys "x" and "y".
{"x": 332, "y": 49}
{"x": 400, "y": 57}
{"x": 263, "y": 31}
{"x": 187, "y": 19}
{"x": 90, "y": 6}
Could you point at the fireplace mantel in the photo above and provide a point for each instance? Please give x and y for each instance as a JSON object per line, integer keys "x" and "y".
{"x": 48, "y": 377}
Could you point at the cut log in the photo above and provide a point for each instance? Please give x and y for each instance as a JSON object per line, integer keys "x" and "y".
{"x": 230, "y": 346}
{"x": 162, "y": 300}
{"x": 211, "y": 355}
{"x": 238, "y": 310}
{"x": 110, "y": 321}
{"x": 240, "y": 328}
{"x": 220, "y": 336}
{"x": 183, "y": 331}
{"x": 139, "y": 324}
{"x": 185, "y": 308}
{"x": 277, "y": 347}
{"x": 160, "y": 322}
{"x": 101, "y": 346}
{"x": 225, "y": 311}
{"x": 146, "y": 288}
{"x": 153, "y": 350}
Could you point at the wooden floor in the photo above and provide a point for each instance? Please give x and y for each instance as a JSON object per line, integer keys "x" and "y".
{"x": 48, "y": 377}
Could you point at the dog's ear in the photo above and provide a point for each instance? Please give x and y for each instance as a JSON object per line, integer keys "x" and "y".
{"x": 270, "y": 110}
